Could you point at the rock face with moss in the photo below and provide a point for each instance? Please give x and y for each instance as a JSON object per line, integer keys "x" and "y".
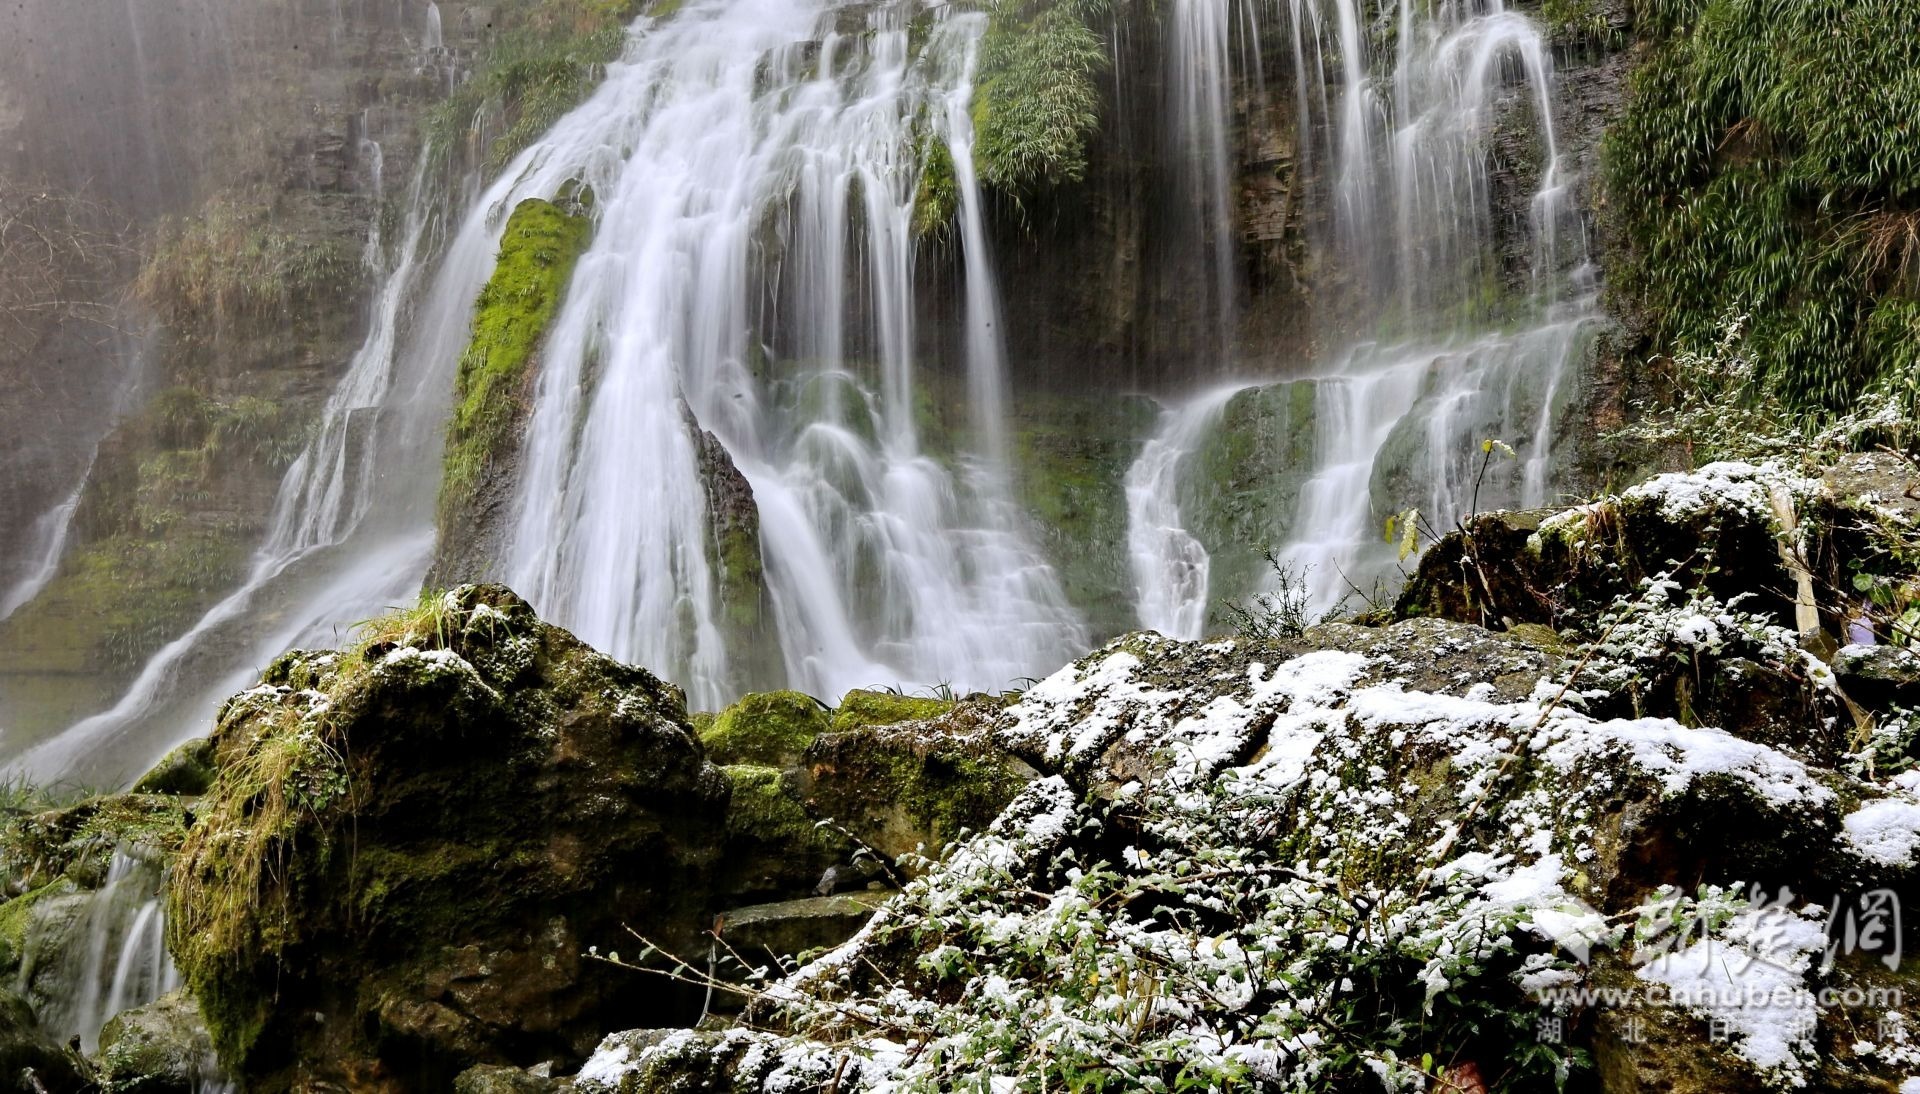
{"x": 542, "y": 242}
{"x": 409, "y": 847}
{"x": 733, "y": 524}
{"x": 818, "y": 793}
{"x": 913, "y": 785}
{"x": 1241, "y": 487}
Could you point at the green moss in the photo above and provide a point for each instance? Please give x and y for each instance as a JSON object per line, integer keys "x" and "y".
{"x": 186, "y": 770}
{"x": 860, "y": 709}
{"x": 742, "y": 579}
{"x": 765, "y": 808}
{"x": 1071, "y": 456}
{"x": 771, "y": 728}
{"x": 1240, "y": 488}
{"x": 119, "y": 599}
{"x": 946, "y": 791}
{"x": 237, "y": 863}
{"x": 538, "y": 250}
{"x": 15, "y": 915}
{"x": 1753, "y": 174}
{"x": 938, "y": 197}
{"x": 1037, "y": 100}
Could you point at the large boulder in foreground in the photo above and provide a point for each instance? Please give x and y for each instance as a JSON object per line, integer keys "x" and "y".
{"x": 410, "y": 846}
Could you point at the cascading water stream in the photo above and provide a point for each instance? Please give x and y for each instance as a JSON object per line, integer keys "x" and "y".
{"x": 1403, "y": 143}
{"x": 1201, "y": 72}
{"x": 352, "y": 528}
{"x": 1171, "y": 568}
{"x": 770, "y": 171}
{"x": 117, "y": 959}
{"x": 46, "y": 541}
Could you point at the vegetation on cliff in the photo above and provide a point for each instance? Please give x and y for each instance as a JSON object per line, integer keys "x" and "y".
{"x": 538, "y": 251}
{"x": 528, "y": 77}
{"x": 1756, "y": 173}
{"x": 1037, "y": 99}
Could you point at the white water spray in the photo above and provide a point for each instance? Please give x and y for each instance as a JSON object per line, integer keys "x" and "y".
{"x": 1406, "y": 144}
{"x": 1171, "y": 568}
{"x": 721, "y": 276}
{"x": 120, "y": 960}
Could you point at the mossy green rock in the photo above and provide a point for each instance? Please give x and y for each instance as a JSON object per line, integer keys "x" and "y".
{"x": 914, "y": 785}
{"x": 161, "y": 1048}
{"x": 860, "y": 709}
{"x": 472, "y": 799}
{"x": 538, "y": 251}
{"x": 1071, "y": 456}
{"x": 1241, "y": 487}
{"x": 771, "y": 729}
{"x": 774, "y": 846}
{"x": 187, "y": 770}
{"x": 16, "y": 919}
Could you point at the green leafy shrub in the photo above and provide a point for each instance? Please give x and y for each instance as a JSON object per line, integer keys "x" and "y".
{"x": 1037, "y": 101}
{"x": 1766, "y": 163}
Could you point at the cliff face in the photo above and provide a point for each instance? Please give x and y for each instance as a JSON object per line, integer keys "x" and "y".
{"x": 251, "y": 164}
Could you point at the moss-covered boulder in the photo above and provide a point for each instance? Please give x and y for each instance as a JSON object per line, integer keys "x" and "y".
{"x": 771, "y": 729}
{"x": 411, "y": 844}
{"x": 187, "y": 770}
{"x": 775, "y": 847}
{"x": 861, "y": 709}
{"x": 161, "y": 1048}
{"x": 1718, "y": 524}
{"x": 1699, "y": 595}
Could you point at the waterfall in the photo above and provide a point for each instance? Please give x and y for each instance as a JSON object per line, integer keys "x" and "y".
{"x": 1403, "y": 143}
{"x": 755, "y": 261}
{"x": 434, "y": 38}
{"x": 1171, "y": 567}
{"x": 350, "y": 532}
{"x": 46, "y": 543}
{"x": 116, "y": 961}
{"x": 1199, "y": 81}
